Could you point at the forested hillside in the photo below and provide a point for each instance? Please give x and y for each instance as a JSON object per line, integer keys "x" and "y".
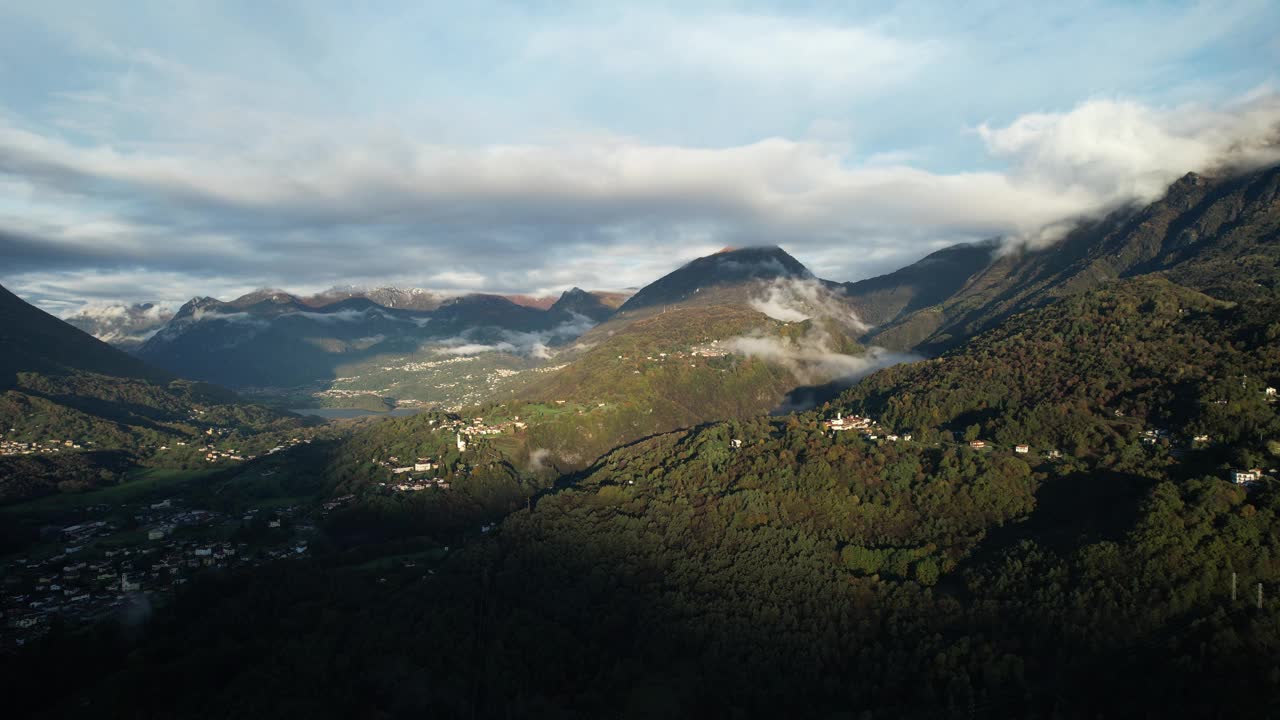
{"x": 64, "y": 393}
{"x": 1219, "y": 235}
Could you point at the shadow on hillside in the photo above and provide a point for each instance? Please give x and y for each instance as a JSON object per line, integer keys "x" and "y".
{"x": 807, "y": 397}
{"x": 1071, "y": 512}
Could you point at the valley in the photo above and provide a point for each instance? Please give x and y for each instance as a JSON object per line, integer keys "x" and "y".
{"x": 1045, "y": 477}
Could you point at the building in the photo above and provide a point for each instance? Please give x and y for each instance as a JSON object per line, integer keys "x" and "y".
{"x": 1246, "y": 477}
{"x": 977, "y": 444}
{"x": 462, "y": 444}
{"x": 1022, "y": 449}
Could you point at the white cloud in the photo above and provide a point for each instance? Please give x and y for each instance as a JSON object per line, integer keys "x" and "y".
{"x": 813, "y": 358}
{"x": 1105, "y": 153}
{"x": 795, "y": 300}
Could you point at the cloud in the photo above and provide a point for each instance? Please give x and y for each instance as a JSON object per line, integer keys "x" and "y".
{"x": 1107, "y": 153}
{"x": 120, "y": 324}
{"x": 539, "y": 460}
{"x": 812, "y": 362}
{"x": 510, "y": 150}
{"x": 536, "y": 344}
{"x": 809, "y": 56}
{"x": 813, "y": 357}
{"x": 797, "y": 300}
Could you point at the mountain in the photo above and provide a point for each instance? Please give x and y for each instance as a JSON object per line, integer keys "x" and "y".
{"x": 1220, "y": 235}
{"x": 389, "y": 297}
{"x": 76, "y": 412}
{"x": 931, "y": 280}
{"x": 272, "y": 339}
{"x": 731, "y": 335}
{"x": 123, "y": 326}
{"x": 577, "y": 301}
{"x": 37, "y": 342}
{"x": 717, "y": 277}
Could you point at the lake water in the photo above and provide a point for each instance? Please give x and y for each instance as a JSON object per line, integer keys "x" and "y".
{"x": 343, "y": 413}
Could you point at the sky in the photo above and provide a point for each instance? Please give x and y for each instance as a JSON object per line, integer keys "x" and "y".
{"x": 157, "y": 151}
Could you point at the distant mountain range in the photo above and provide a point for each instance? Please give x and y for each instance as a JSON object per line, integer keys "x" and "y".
{"x": 273, "y": 338}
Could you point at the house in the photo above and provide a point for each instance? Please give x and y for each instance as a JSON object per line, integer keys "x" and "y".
{"x": 1246, "y": 477}
{"x": 462, "y": 444}
{"x": 1269, "y": 392}
{"x": 156, "y": 534}
{"x": 1022, "y": 449}
{"x": 735, "y": 443}
{"x": 1200, "y": 439}
{"x": 977, "y": 444}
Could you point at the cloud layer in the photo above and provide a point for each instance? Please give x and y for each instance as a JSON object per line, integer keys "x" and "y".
{"x": 567, "y": 151}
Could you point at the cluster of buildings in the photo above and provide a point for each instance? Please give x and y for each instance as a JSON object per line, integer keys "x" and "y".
{"x": 868, "y": 427}
{"x": 410, "y": 483}
{"x": 36, "y": 447}
{"x": 101, "y": 568}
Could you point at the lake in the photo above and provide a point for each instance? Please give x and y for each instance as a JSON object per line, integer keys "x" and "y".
{"x": 344, "y": 413}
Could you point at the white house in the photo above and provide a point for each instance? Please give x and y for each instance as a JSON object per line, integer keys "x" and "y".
{"x": 1244, "y": 477}
{"x": 1022, "y": 449}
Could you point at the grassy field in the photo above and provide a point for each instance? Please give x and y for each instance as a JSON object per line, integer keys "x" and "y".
{"x": 147, "y": 484}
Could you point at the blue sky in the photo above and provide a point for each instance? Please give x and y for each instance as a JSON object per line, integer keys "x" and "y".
{"x": 155, "y": 151}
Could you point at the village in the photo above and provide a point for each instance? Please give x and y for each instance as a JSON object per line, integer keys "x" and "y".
{"x": 100, "y": 567}
{"x": 870, "y": 430}
{"x": 408, "y": 476}
{"x": 10, "y": 447}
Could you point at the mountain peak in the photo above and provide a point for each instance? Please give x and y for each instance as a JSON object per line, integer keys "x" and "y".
{"x": 728, "y": 267}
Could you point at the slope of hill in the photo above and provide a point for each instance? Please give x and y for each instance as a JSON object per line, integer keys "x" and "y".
{"x": 932, "y": 279}
{"x": 65, "y": 393}
{"x": 37, "y": 342}
{"x": 1220, "y": 235}
{"x": 728, "y": 336}
{"x": 1092, "y": 372}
